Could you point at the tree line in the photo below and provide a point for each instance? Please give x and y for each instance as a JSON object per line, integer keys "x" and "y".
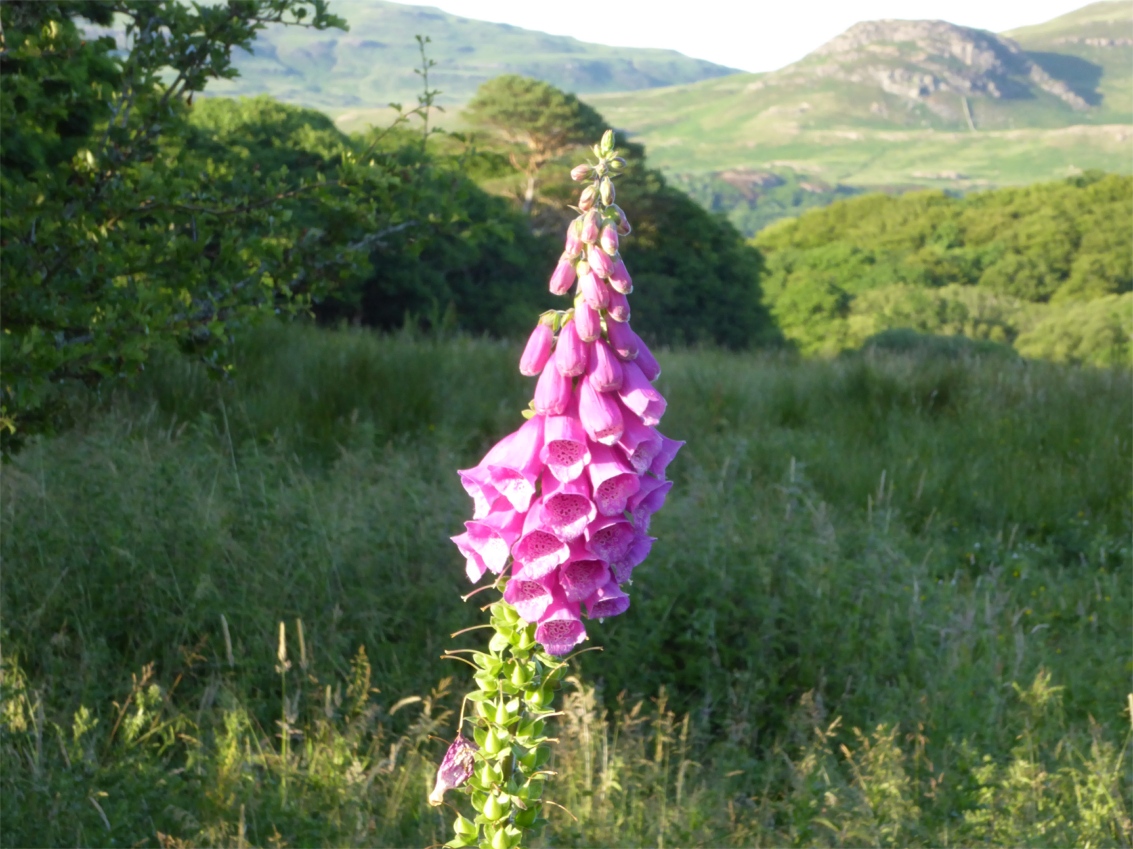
{"x": 139, "y": 214}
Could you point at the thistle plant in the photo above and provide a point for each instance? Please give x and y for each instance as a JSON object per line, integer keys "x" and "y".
{"x": 561, "y": 516}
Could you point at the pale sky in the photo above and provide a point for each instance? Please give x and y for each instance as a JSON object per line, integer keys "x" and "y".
{"x": 752, "y": 35}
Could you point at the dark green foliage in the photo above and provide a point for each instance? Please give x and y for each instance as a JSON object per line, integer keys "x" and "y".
{"x": 117, "y": 238}
{"x": 983, "y": 265}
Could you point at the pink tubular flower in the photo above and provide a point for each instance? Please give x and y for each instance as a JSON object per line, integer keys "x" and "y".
{"x": 640, "y": 443}
{"x": 665, "y": 455}
{"x": 563, "y": 277}
{"x": 508, "y": 469}
{"x": 609, "y": 538}
{"x": 594, "y": 291}
{"x": 566, "y": 451}
{"x": 455, "y": 769}
{"x": 476, "y": 483}
{"x": 633, "y": 556}
{"x": 604, "y": 371}
{"x": 599, "y": 260}
{"x": 638, "y": 394}
{"x": 539, "y": 551}
{"x": 607, "y": 600}
{"x": 567, "y": 506}
{"x": 609, "y": 239}
{"x": 587, "y": 322}
{"x": 529, "y": 598}
{"x": 570, "y": 352}
{"x": 619, "y": 278}
{"x": 600, "y": 414}
{"x": 560, "y": 628}
{"x": 622, "y": 339}
{"x": 537, "y": 351}
{"x": 619, "y": 307}
{"x": 486, "y": 543}
{"x": 553, "y": 391}
{"x": 612, "y": 479}
{"x": 648, "y": 500}
{"x": 582, "y": 574}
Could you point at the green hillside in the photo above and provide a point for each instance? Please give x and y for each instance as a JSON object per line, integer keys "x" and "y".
{"x": 1046, "y": 269}
{"x": 909, "y": 103}
{"x": 372, "y": 64}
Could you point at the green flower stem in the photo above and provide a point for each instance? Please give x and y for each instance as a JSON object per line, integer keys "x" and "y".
{"x": 515, "y": 682}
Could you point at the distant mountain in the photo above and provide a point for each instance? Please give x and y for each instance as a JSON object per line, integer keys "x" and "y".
{"x": 1092, "y": 51}
{"x": 372, "y": 64}
{"x": 907, "y": 103}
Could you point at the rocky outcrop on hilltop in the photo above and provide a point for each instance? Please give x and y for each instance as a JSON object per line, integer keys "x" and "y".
{"x": 920, "y": 59}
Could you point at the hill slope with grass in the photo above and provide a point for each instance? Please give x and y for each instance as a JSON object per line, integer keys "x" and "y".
{"x": 372, "y": 64}
{"x": 894, "y": 104}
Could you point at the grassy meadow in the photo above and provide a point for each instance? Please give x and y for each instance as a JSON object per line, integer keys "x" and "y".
{"x": 890, "y": 604}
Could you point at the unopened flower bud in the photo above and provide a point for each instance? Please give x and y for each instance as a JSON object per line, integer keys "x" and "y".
{"x": 538, "y": 350}
{"x": 563, "y": 277}
{"x": 623, "y": 223}
{"x": 609, "y": 239}
{"x": 571, "y": 352}
{"x": 589, "y": 232}
{"x": 594, "y": 291}
{"x": 580, "y": 172}
{"x": 600, "y": 262}
{"x": 618, "y": 309}
{"x": 622, "y": 339}
{"x": 619, "y": 278}
{"x": 606, "y": 190}
{"x": 607, "y": 143}
{"x": 604, "y": 371}
{"x": 586, "y": 200}
{"x": 617, "y": 164}
{"x": 573, "y": 245}
{"x": 587, "y": 322}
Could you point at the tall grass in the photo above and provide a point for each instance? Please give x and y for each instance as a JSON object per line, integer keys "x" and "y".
{"x": 890, "y": 604}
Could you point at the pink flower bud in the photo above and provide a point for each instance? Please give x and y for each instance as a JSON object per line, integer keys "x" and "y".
{"x": 573, "y": 242}
{"x": 587, "y": 199}
{"x": 604, "y": 371}
{"x": 622, "y": 339}
{"x": 580, "y": 172}
{"x": 538, "y": 350}
{"x": 600, "y": 413}
{"x": 609, "y": 239}
{"x": 646, "y": 361}
{"x": 600, "y": 262}
{"x": 594, "y": 291}
{"x": 618, "y": 309}
{"x": 571, "y": 352}
{"x": 639, "y": 395}
{"x": 589, "y": 231}
{"x": 619, "y": 277}
{"x": 623, "y": 223}
{"x": 563, "y": 277}
{"x": 552, "y": 392}
{"x": 587, "y": 322}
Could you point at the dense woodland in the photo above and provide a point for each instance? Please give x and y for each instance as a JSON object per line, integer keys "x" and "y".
{"x": 1047, "y": 268}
